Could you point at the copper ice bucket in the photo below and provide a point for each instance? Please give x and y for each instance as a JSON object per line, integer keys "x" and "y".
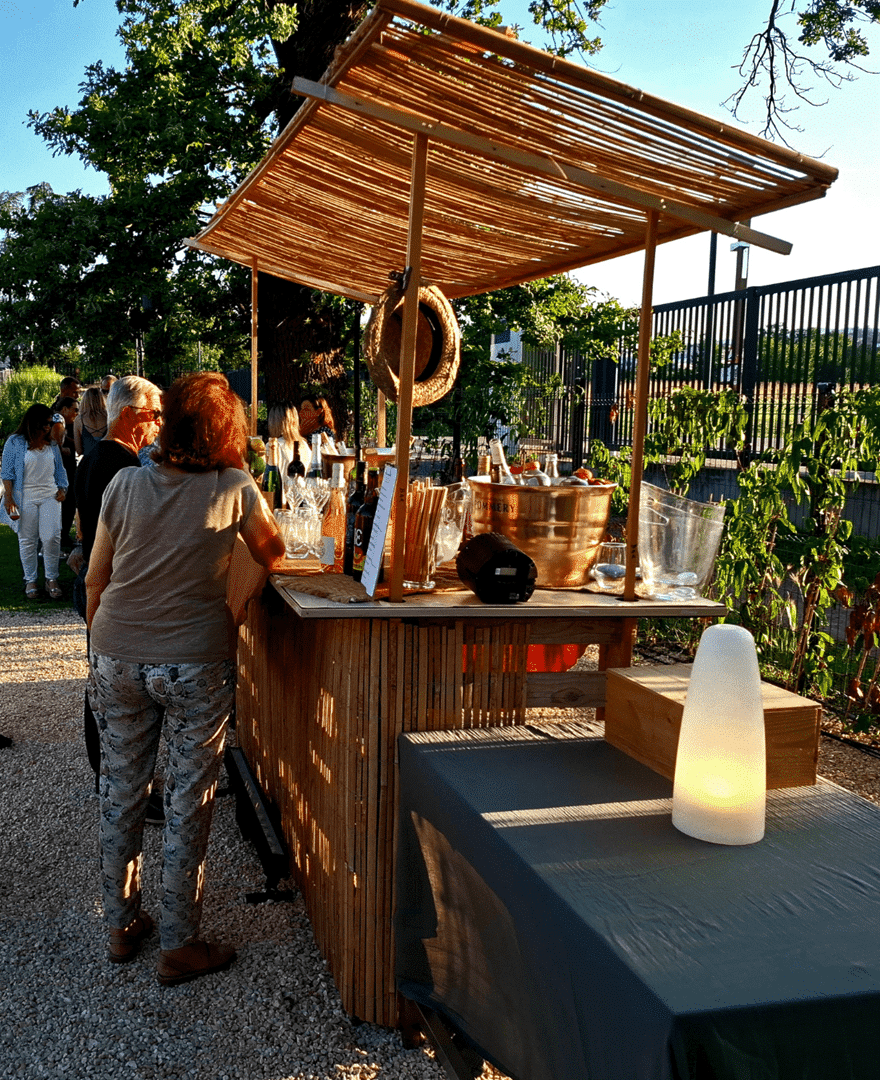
{"x": 559, "y": 528}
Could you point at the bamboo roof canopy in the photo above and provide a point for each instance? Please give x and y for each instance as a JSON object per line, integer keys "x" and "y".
{"x": 536, "y": 166}
{"x": 456, "y": 156}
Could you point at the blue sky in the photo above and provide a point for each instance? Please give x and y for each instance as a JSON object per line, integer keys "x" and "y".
{"x": 683, "y": 50}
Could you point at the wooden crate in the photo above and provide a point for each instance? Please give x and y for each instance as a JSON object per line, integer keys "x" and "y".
{"x": 643, "y": 713}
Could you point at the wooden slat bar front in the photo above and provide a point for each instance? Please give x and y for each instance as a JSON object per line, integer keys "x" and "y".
{"x": 324, "y": 689}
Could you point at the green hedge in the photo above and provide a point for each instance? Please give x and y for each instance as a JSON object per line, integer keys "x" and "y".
{"x": 20, "y": 392}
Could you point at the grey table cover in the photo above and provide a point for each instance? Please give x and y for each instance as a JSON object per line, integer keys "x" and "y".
{"x": 548, "y": 907}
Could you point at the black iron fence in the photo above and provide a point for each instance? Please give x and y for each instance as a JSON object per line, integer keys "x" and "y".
{"x": 780, "y": 345}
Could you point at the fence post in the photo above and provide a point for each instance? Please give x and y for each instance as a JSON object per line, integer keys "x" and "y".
{"x": 602, "y": 398}
{"x": 749, "y": 364}
{"x": 578, "y": 411}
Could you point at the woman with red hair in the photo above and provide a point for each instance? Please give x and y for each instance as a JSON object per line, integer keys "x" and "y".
{"x": 162, "y": 646}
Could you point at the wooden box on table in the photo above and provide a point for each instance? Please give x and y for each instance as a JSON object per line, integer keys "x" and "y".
{"x": 643, "y": 713}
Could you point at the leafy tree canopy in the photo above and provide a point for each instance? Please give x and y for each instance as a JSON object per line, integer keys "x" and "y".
{"x": 206, "y": 85}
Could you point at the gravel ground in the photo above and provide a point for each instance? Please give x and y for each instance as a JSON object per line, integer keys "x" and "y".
{"x": 67, "y": 1012}
{"x": 275, "y": 1015}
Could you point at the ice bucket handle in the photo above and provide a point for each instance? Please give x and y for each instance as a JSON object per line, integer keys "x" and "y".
{"x": 659, "y": 518}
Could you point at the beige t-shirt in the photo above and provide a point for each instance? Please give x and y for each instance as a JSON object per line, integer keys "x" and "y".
{"x": 172, "y": 535}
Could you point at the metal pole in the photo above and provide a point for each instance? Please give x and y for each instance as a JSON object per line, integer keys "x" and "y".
{"x": 254, "y": 392}
{"x": 640, "y": 419}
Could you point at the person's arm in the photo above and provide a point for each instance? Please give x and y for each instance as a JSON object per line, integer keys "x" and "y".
{"x": 10, "y": 451}
{"x": 60, "y": 475}
{"x": 100, "y": 569}
{"x": 260, "y": 532}
{"x": 9, "y": 501}
{"x": 77, "y": 436}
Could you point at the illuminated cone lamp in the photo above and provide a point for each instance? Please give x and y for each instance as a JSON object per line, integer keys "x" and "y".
{"x": 720, "y": 786}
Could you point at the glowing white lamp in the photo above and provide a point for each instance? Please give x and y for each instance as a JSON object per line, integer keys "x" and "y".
{"x": 720, "y": 790}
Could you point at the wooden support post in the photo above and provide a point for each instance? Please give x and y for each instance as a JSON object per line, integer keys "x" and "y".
{"x": 640, "y": 420}
{"x": 254, "y": 379}
{"x": 408, "y": 359}
{"x": 381, "y": 433}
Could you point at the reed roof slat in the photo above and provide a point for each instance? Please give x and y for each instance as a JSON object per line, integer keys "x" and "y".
{"x": 536, "y": 166}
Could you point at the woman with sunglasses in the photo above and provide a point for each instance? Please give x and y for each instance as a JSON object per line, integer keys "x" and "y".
{"x": 34, "y": 487}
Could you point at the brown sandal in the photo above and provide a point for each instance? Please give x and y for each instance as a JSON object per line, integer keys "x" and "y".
{"x": 126, "y": 944}
{"x": 192, "y": 961}
{"x": 54, "y": 590}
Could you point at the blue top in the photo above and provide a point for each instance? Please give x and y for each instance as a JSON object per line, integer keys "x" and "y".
{"x": 13, "y": 469}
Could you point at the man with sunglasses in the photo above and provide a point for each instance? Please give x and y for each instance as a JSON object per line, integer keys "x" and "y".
{"x": 134, "y": 413}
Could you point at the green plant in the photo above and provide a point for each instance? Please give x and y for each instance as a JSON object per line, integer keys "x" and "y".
{"x": 26, "y": 386}
{"x": 686, "y": 425}
{"x": 781, "y": 581}
{"x": 616, "y": 467}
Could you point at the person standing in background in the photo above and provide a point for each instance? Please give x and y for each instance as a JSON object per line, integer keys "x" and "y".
{"x": 284, "y": 426}
{"x": 70, "y": 387}
{"x": 34, "y": 487}
{"x": 133, "y": 417}
{"x": 90, "y": 426}
{"x": 67, "y": 408}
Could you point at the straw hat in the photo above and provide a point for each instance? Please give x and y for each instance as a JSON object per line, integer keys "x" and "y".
{"x": 438, "y": 345}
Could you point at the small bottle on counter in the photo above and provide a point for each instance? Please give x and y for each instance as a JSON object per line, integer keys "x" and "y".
{"x": 363, "y": 524}
{"x": 356, "y": 491}
{"x": 333, "y": 527}
{"x": 551, "y": 468}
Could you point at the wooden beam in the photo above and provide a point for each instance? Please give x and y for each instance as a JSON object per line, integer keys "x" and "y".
{"x": 539, "y": 164}
{"x": 640, "y": 420}
{"x": 408, "y": 358}
{"x": 381, "y": 420}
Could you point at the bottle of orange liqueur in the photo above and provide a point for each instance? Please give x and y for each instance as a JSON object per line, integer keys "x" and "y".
{"x": 333, "y": 527}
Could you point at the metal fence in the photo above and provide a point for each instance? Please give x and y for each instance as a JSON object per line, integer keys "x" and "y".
{"x": 779, "y": 345}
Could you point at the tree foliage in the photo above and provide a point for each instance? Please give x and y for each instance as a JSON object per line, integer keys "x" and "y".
{"x": 205, "y": 86}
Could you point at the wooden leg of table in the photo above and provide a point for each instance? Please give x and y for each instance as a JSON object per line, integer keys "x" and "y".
{"x": 458, "y": 1060}
{"x": 409, "y": 1021}
{"x": 618, "y": 653}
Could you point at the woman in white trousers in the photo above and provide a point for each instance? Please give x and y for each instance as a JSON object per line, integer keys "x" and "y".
{"x": 34, "y": 487}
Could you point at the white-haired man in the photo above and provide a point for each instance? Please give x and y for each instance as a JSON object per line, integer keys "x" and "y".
{"x": 133, "y": 417}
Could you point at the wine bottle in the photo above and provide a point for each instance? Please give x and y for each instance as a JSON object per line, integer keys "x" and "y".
{"x": 499, "y": 464}
{"x": 363, "y": 524}
{"x": 333, "y": 527}
{"x": 551, "y": 468}
{"x": 271, "y": 476}
{"x": 315, "y": 470}
{"x": 534, "y": 476}
{"x": 356, "y": 491}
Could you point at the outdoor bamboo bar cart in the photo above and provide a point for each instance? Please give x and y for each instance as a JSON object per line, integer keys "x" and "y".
{"x": 475, "y": 162}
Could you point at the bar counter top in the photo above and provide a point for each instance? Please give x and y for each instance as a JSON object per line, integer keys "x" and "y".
{"x": 451, "y": 600}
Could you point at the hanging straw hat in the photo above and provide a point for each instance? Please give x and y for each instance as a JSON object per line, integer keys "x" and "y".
{"x": 438, "y": 345}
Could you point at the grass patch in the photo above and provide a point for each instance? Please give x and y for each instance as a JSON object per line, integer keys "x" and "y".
{"x": 12, "y": 596}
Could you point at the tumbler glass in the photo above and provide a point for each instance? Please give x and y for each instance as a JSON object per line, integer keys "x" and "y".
{"x": 610, "y": 568}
